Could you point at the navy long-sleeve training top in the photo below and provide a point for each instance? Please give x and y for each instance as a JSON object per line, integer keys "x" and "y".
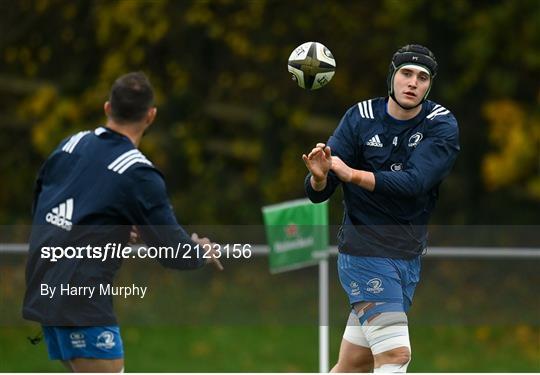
{"x": 409, "y": 160}
{"x": 90, "y": 191}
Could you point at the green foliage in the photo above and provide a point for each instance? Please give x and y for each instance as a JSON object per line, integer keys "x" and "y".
{"x": 231, "y": 125}
{"x": 516, "y": 134}
{"x": 229, "y": 135}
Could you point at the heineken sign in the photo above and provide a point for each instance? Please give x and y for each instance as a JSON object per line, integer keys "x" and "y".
{"x": 297, "y": 234}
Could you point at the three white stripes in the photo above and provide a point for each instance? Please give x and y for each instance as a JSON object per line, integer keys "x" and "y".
{"x": 73, "y": 141}
{"x": 119, "y": 165}
{"x": 126, "y": 160}
{"x": 438, "y": 110}
{"x": 366, "y": 109}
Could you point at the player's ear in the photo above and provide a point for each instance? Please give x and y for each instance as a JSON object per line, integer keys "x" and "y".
{"x": 107, "y": 108}
{"x": 151, "y": 115}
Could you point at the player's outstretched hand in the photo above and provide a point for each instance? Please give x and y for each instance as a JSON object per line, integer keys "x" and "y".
{"x": 319, "y": 161}
{"x": 342, "y": 170}
{"x": 134, "y": 235}
{"x": 213, "y": 254}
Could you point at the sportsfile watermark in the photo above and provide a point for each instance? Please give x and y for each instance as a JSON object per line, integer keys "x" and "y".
{"x": 119, "y": 251}
{"x": 462, "y": 263}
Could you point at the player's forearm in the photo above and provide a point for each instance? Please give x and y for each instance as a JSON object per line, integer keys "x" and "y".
{"x": 364, "y": 179}
{"x": 318, "y": 185}
{"x": 321, "y": 195}
{"x": 409, "y": 183}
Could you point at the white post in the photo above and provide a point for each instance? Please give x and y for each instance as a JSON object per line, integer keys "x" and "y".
{"x": 323, "y": 316}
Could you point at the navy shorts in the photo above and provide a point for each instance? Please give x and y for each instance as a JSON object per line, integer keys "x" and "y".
{"x": 374, "y": 279}
{"x": 67, "y": 343}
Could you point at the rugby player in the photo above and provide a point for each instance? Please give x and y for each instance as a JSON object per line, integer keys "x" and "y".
{"x": 390, "y": 156}
{"x": 91, "y": 190}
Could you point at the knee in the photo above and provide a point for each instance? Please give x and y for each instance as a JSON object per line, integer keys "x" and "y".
{"x": 392, "y": 361}
{"x": 388, "y": 336}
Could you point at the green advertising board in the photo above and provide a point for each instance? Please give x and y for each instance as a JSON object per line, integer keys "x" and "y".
{"x": 297, "y": 234}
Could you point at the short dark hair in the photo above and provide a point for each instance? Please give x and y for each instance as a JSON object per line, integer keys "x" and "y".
{"x": 131, "y": 96}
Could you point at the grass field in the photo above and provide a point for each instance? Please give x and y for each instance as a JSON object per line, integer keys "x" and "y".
{"x": 245, "y": 320}
{"x": 287, "y": 349}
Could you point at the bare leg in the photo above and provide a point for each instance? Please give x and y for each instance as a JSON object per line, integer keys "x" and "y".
{"x": 97, "y": 365}
{"x": 394, "y": 360}
{"x": 353, "y": 358}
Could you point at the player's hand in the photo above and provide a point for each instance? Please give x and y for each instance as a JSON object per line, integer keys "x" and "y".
{"x": 134, "y": 235}
{"x": 319, "y": 162}
{"x": 342, "y": 170}
{"x": 206, "y": 244}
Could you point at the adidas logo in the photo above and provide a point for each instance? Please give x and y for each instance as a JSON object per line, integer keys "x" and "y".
{"x": 61, "y": 215}
{"x": 374, "y": 141}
